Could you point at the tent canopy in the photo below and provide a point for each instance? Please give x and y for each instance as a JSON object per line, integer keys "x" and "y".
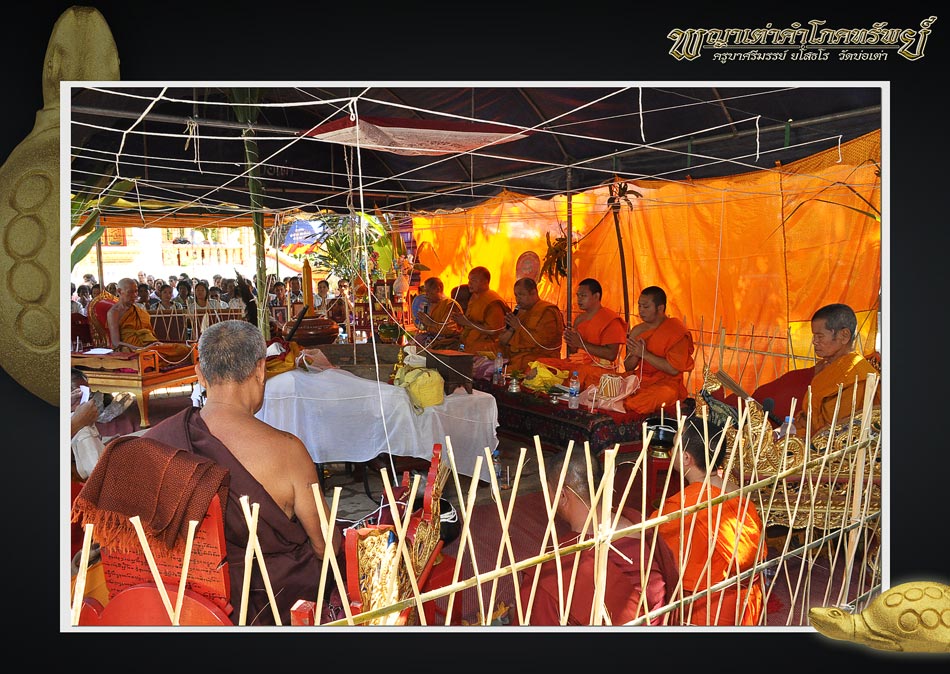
{"x": 752, "y": 207}
{"x": 185, "y": 143}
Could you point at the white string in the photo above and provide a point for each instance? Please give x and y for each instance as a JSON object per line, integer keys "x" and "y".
{"x": 757, "y": 137}
{"x": 643, "y": 136}
{"x": 191, "y": 128}
{"x": 547, "y": 125}
{"x": 722, "y": 216}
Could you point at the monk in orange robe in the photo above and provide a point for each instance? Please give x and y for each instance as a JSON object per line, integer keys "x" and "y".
{"x": 594, "y": 341}
{"x": 484, "y": 318}
{"x": 659, "y": 351}
{"x": 439, "y": 330}
{"x": 833, "y": 329}
{"x": 130, "y": 327}
{"x": 534, "y": 330}
{"x": 639, "y": 575}
{"x": 716, "y": 543}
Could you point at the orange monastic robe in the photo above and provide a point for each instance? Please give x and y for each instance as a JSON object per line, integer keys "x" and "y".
{"x": 488, "y": 308}
{"x": 674, "y": 342}
{"x": 850, "y": 370}
{"x": 446, "y": 335}
{"x": 542, "y": 335}
{"x": 135, "y": 327}
{"x": 734, "y": 547}
{"x": 604, "y": 327}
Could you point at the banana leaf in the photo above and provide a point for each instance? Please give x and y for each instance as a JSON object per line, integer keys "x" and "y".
{"x": 84, "y": 216}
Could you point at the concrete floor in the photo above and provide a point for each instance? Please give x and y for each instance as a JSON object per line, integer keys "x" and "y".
{"x": 354, "y": 504}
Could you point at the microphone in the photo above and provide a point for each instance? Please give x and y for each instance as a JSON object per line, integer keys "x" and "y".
{"x": 768, "y": 404}
{"x": 517, "y": 308}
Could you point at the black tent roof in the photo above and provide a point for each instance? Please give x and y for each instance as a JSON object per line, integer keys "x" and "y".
{"x": 183, "y": 143}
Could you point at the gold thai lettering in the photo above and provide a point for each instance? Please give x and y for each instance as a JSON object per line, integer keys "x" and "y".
{"x": 909, "y": 36}
{"x": 689, "y": 43}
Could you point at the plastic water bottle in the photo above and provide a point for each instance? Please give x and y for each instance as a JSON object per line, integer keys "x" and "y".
{"x": 461, "y": 347}
{"x": 574, "y": 391}
{"x": 498, "y": 378}
{"x": 496, "y": 464}
{"x": 787, "y": 428}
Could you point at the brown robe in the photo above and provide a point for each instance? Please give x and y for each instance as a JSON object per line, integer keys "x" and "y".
{"x": 292, "y": 564}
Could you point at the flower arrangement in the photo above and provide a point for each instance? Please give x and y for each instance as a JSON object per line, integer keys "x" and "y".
{"x": 373, "y": 261}
{"x": 403, "y": 266}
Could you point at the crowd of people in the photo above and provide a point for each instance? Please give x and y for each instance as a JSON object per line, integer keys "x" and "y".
{"x": 688, "y": 554}
{"x": 178, "y": 292}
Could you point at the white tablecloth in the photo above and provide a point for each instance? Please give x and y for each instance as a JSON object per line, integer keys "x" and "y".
{"x": 342, "y": 417}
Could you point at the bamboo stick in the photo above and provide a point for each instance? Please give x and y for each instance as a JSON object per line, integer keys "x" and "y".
{"x": 185, "y": 564}
{"x": 465, "y": 539}
{"x": 249, "y": 512}
{"x": 248, "y": 561}
{"x": 401, "y": 525}
{"x": 504, "y": 517}
{"x": 163, "y": 593}
{"x": 79, "y": 590}
{"x": 549, "y": 505}
{"x": 326, "y": 527}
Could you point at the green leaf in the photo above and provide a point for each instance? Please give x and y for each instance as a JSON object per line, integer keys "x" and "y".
{"x": 81, "y": 249}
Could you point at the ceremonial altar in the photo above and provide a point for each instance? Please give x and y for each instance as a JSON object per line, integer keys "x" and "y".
{"x": 341, "y": 417}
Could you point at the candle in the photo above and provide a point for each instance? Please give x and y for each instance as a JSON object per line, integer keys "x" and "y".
{"x": 307, "y": 288}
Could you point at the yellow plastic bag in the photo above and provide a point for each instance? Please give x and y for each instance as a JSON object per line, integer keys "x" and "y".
{"x": 545, "y": 377}
{"x": 425, "y": 387}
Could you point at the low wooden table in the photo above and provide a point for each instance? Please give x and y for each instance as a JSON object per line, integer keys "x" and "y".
{"x": 137, "y": 372}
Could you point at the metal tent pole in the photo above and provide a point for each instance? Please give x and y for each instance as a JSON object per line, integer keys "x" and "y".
{"x": 570, "y": 247}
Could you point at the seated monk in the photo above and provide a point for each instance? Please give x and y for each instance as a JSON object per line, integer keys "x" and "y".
{"x": 833, "y": 328}
{"x": 436, "y": 320}
{"x": 270, "y": 466}
{"x": 535, "y": 328}
{"x": 130, "y": 328}
{"x": 717, "y": 543}
{"x": 484, "y": 319}
{"x": 639, "y": 575}
{"x": 659, "y": 351}
{"x": 594, "y": 341}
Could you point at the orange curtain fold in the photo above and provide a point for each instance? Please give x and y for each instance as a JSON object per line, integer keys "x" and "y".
{"x": 749, "y": 256}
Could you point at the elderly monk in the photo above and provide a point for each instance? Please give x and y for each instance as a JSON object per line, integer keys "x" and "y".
{"x": 484, "y": 318}
{"x": 130, "y": 328}
{"x": 534, "y": 329}
{"x": 639, "y": 575}
{"x": 436, "y": 321}
{"x": 659, "y": 351}
{"x": 270, "y": 466}
{"x": 717, "y": 543}
{"x": 833, "y": 330}
{"x": 594, "y": 341}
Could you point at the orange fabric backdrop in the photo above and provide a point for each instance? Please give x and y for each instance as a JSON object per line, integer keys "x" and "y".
{"x": 751, "y": 255}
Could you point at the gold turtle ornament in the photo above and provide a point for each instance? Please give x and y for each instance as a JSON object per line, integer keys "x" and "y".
{"x": 80, "y": 47}
{"x": 911, "y": 617}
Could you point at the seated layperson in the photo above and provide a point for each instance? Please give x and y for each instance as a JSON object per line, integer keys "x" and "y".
{"x": 635, "y": 566}
{"x": 834, "y": 327}
{"x": 270, "y": 466}
{"x": 534, "y": 329}
{"x": 130, "y": 328}
{"x": 715, "y": 544}
{"x": 322, "y": 299}
{"x": 594, "y": 341}
{"x": 659, "y": 351}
